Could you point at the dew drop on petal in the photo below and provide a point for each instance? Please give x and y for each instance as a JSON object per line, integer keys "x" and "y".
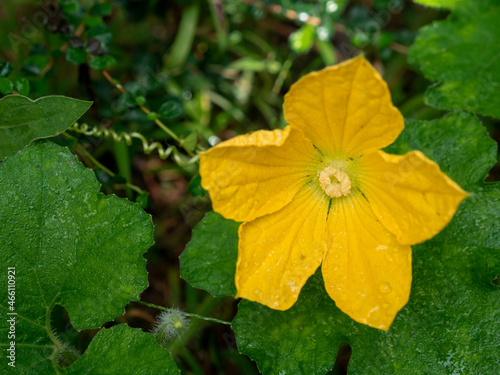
{"x": 385, "y": 288}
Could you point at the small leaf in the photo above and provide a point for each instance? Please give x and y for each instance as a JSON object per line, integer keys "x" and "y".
{"x": 22, "y": 86}
{"x": 195, "y": 187}
{"x": 101, "y": 9}
{"x": 255, "y": 65}
{"x": 5, "y": 68}
{"x": 102, "y": 62}
{"x": 70, "y": 6}
{"x": 171, "y": 109}
{"x": 119, "y": 349}
{"x": 70, "y": 246}
{"x": 23, "y": 120}
{"x": 101, "y": 33}
{"x": 143, "y": 200}
{"x": 302, "y": 40}
{"x": 209, "y": 260}
{"x": 190, "y": 142}
{"x": 6, "y": 86}
{"x": 447, "y": 4}
{"x": 76, "y": 55}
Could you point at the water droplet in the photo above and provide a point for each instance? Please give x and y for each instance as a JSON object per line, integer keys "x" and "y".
{"x": 303, "y": 17}
{"x": 331, "y": 6}
{"x": 385, "y": 288}
{"x": 323, "y": 33}
{"x": 213, "y": 140}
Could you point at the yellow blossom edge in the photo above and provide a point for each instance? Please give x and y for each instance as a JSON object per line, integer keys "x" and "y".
{"x": 256, "y": 174}
{"x": 409, "y": 193}
{"x": 345, "y": 108}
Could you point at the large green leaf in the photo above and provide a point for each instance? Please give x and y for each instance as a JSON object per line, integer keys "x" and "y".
{"x": 23, "y": 120}
{"x": 124, "y": 350}
{"x": 209, "y": 260}
{"x": 453, "y": 52}
{"x": 70, "y": 245}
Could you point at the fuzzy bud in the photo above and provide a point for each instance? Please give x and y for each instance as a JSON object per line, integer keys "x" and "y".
{"x": 169, "y": 325}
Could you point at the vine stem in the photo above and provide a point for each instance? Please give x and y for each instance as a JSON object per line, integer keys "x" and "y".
{"x": 196, "y": 316}
{"x": 88, "y": 155}
{"x": 158, "y": 122}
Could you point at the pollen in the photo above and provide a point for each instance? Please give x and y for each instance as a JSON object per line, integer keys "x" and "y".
{"x": 335, "y": 183}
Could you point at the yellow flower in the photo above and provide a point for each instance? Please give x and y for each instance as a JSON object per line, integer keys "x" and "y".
{"x": 320, "y": 192}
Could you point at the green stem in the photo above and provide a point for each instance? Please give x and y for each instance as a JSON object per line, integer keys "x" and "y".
{"x": 54, "y": 339}
{"x": 158, "y": 122}
{"x": 191, "y": 315}
{"x": 96, "y": 163}
{"x": 168, "y": 131}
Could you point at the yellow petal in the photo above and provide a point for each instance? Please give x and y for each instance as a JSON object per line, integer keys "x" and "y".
{"x": 345, "y": 108}
{"x": 366, "y": 271}
{"x": 277, "y": 253}
{"x": 409, "y": 194}
{"x": 256, "y": 174}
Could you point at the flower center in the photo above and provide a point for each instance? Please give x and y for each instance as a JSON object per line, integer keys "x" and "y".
{"x": 335, "y": 183}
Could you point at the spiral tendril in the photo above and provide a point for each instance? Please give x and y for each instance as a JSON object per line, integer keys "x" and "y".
{"x": 163, "y": 152}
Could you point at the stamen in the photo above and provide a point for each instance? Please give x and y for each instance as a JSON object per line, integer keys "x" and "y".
{"x": 335, "y": 183}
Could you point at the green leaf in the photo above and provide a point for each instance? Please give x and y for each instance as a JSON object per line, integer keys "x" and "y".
{"x": 76, "y": 55}
{"x": 101, "y": 33}
{"x": 447, "y": 4}
{"x": 458, "y": 142}
{"x": 190, "y": 142}
{"x": 23, "y": 120}
{"x": 452, "y": 52}
{"x": 209, "y": 260}
{"x": 101, "y": 9}
{"x": 251, "y": 64}
{"x": 102, "y": 62}
{"x": 195, "y": 187}
{"x": 301, "y": 340}
{"x": 120, "y": 349}
{"x": 22, "y": 86}
{"x": 302, "y": 40}
{"x": 179, "y": 51}
{"x": 478, "y": 215}
{"x": 171, "y": 109}
{"x": 70, "y": 6}
{"x": 70, "y": 245}
{"x": 5, "y": 68}
{"x": 6, "y": 86}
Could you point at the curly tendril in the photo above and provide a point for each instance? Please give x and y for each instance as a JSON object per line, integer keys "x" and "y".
{"x": 163, "y": 152}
